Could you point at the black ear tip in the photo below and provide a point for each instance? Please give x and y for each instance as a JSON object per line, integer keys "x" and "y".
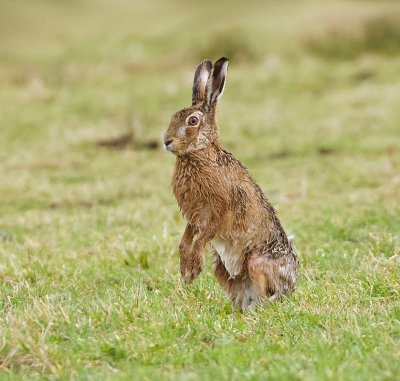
{"x": 206, "y": 63}
{"x": 223, "y": 60}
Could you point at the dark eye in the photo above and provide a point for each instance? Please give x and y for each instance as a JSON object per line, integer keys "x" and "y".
{"x": 193, "y": 120}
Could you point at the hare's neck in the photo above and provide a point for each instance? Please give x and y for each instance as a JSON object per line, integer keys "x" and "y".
{"x": 192, "y": 164}
{"x": 199, "y": 158}
{"x": 190, "y": 169}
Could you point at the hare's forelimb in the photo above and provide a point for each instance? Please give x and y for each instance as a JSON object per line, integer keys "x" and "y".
{"x": 185, "y": 247}
{"x": 194, "y": 262}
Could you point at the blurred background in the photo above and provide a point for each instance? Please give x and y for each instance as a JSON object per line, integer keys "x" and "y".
{"x": 89, "y": 228}
{"x": 87, "y": 88}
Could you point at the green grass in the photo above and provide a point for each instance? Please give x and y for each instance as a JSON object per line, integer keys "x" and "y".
{"x": 90, "y": 286}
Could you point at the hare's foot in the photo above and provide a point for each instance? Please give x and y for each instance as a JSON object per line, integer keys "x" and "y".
{"x": 192, "y": 270}
{"x": 275, "y": 296}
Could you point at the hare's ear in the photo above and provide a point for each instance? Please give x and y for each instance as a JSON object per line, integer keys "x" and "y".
{"x": 200, "y": 81}
{"x": 216, "y": 81}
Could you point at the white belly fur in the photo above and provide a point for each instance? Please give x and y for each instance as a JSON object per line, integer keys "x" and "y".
{"x": 229, "y": 257}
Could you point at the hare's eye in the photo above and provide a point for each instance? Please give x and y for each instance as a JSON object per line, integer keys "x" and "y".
{"x": 193, "y": 120}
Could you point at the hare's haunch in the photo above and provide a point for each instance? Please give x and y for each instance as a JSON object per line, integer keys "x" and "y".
{"x": 222, "y": 204}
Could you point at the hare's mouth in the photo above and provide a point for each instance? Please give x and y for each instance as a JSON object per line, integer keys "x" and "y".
{"x": 169, "y": 148}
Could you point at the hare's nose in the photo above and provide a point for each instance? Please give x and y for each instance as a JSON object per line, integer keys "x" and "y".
{"x": 168, "y": 142}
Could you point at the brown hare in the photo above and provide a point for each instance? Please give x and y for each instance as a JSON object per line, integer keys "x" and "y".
{"x": 253, "y": 259}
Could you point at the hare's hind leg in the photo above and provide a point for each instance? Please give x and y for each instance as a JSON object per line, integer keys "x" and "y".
{"x": 241, "y": 291}
{"x": 273, "y": 276}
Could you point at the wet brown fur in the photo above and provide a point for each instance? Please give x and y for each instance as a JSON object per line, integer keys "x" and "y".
{"x": 252, "y": 258}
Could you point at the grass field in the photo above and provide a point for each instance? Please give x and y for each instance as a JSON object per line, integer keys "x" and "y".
{"x": 89, "y": 229}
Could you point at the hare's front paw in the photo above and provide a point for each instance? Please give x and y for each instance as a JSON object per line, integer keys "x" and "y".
{"x": 192, "y": 270}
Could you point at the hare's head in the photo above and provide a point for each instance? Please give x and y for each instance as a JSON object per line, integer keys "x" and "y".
{"x": 194, "y": 128}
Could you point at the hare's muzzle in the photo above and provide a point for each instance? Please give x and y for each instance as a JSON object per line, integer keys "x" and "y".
{"x": 168, "y": 143}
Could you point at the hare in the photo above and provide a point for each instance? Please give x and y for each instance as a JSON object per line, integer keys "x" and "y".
{"x": 253, "y": 260}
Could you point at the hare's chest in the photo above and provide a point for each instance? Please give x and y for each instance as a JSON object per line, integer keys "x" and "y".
{"x": 230, "y": 245}
{"x": 191, "y": 201}
{"x": 198, "y": 215}
{"x": 229, "y": 254}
